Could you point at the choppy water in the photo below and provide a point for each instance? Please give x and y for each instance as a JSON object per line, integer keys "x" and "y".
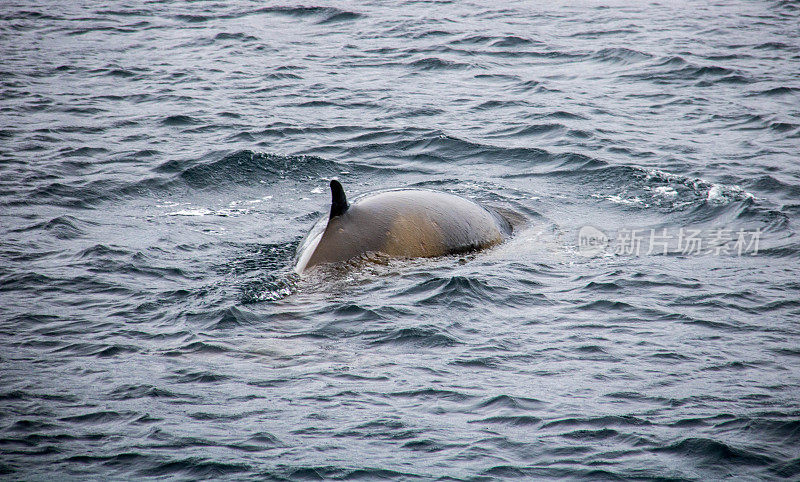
{"x": 160, "y": 161}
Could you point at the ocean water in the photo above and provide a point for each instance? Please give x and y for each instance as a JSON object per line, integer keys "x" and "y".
{"x": 160, "y": 161}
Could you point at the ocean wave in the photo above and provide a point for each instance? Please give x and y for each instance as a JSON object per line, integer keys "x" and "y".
{"x": 715, "y": 452}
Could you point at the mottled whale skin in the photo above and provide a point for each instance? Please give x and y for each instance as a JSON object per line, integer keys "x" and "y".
{"x": 400, "y": 223}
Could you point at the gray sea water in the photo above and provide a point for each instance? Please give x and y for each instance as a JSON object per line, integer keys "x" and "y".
{"x": 160, "y": 161}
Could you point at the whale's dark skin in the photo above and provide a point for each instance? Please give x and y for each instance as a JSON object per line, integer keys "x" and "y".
{"x": 402, "y": 223}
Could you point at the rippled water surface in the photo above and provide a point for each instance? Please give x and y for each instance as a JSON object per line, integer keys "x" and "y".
{"x": 160, "y": 162}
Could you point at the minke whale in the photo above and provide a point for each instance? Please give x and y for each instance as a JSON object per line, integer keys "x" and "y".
{"x": 399, "y": 223}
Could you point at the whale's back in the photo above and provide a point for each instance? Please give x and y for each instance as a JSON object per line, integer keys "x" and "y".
{"x": 408, "y": 223}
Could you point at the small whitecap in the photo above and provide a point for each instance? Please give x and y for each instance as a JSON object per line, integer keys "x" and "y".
{"x": 616, "y": 198}
{"x": 191, "y": 212}
{"x": 230, "y": 212}
{"x": 722, "y": 194}
{"x": 666, "y": 192}
{"x": 716, "y": 195}
{"x": 316, "y": 190}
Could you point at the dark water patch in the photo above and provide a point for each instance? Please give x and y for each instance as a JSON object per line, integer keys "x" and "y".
{"x": 621, "y": 55}
{"x": 727, "y": 79}
{"x": 64, "y": 227}
{"x": 639, "y": 397}
{"x": 670, "y": 356}
{"x": 542, "y": 473}
{"x": 433, "y": 394}
{"x": 422, "y": 336}
{"x": 594, "y": 287}
{"x": 472, "y": 39}
{"x": 489, "y": 363}
{"x": 198, "y": 347}
{"x": 498, "y": 77}
{"x": 677, "y": 69}
{"x": 284, "y": 76}
{"x": 786, "y": 432}
{"x": 318, "y": 103}
{"x": 30, "y": 426}
{"x": 732, "y": 366}
{"x": 715, "y": 452}
{"x": 140, "y": 267}
{"x": 424, "y": 112}
{"x": 381, "y": 428}
{"x": 432, "y": 33}
{"x": 192, "y": 376}
{"x": 194, "y": 18}
{"x": 457, "y": 289}
{"x": 76, "y": 195}
{"x": 511, "y": 420}
{"x": 778, "y": 91}
{"x": 593, "y": 435}
{"x": 701, "y": 421}
{"x": 127, "y": 12}
{"x": 194, "y": 467}
{"x": 61, "y": 227}
{"x": 426, "y": 445}
{"x": 531, "y": 130}
{"x": 352, "y": 312}
{"x": 117, "y": 349}
{"x": 513, "y": 41}
{"x": 248, "y": 167}
{"x": 787, "y": 351}
{"x": 22, "y": 281}
{"x": 214, "y": 416}
{"x": 99, "y": 350}
{"x": 235, "y": 36}
{"x": 602, "y": 421}
{"x": 609, "y": 305}
{"x": 514, "y": 402}
{"x": 122, "y": 460}
{"x": 101, "y": 417}
{"x": 180, "y": 120}
{"x": 339, "y": 17}
{"x": 435, "y": 63}
{"x": 590, "y": 349}
{"x": 560, "y": 114}
{"x": 101, "y": 251}
{"x": 223, "y": 319}
{"x": 29, "y": 14}
{"x": 134, "y": 392}
{"x": 120, "y": 73}
{"x": 325, "y": 15}
{"x": 494, "y": 104}
{"x": 787, "y": 470}
{"x": 28, "y": 395}
{"x": 776, "y": 46}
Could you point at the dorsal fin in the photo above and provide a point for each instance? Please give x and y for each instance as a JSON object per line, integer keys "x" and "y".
{"x": 338, "y": 199}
